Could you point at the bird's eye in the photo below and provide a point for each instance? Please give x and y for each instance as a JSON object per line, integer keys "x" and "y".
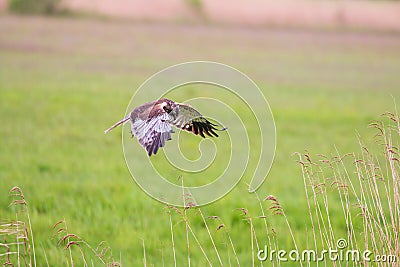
{"x": 167, "y": 108}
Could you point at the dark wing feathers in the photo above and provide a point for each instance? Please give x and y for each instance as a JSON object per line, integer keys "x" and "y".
{"x": 201, "y": 127}
{"x": 189, "y": 119}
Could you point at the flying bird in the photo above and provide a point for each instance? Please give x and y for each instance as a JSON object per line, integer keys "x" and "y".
{"x": 151, "y": 123}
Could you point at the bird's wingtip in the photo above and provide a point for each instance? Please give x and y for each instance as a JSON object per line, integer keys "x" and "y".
{"x": 222, "y": 129}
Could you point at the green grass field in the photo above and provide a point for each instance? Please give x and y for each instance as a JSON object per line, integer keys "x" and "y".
{"x": 63, "y": 81}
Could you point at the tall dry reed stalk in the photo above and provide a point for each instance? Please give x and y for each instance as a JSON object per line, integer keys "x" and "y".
{"x": 70, "y": 241}
{"x": 367, "y": 185}
{"x": 17, "y": 244}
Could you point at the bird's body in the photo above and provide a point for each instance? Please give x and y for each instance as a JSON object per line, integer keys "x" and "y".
{"x": 151, "y": 123}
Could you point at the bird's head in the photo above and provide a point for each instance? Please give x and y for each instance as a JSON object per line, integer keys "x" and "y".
{"x": 167, "y": 105}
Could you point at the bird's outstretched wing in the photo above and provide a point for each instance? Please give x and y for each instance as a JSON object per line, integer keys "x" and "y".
{"x": 187, "y": 118}
{"x": 153, "y": 132}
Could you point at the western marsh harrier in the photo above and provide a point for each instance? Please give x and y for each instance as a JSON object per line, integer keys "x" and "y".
{"x": 151, "y": 123}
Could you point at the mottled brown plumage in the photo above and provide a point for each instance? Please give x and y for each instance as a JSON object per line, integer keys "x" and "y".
{"x": 151, "y": 123}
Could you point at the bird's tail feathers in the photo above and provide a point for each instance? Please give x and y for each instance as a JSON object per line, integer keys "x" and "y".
{"x": 117, "y": 124}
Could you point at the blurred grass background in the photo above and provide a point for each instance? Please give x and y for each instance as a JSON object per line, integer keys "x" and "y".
{"x": 64, "y": 80}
